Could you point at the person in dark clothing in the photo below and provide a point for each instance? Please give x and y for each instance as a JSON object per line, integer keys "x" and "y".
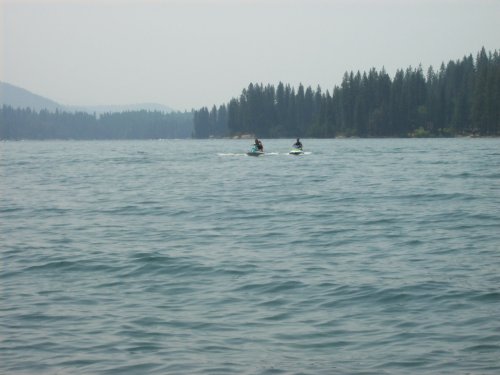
{"x": 258, "y": 145}
{"x": 298, "y": 144}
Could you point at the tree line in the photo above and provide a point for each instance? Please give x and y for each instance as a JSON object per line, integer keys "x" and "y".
{"x": 461, "y": 98}
{"x": 25, "y": 123}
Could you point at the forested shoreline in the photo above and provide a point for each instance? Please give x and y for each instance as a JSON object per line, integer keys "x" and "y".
{"x": 17, "y": 123}
{"x": 461, "y": 98}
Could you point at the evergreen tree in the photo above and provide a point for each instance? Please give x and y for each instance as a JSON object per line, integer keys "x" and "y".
{"x": 462, "y": 96}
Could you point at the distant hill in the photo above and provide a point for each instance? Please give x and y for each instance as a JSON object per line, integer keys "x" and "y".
{"x": 20, "y": 98}
{"x": 17, "y": 97}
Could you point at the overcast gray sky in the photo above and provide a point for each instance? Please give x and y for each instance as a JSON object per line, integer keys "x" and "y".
{"x": 192, "y": 53}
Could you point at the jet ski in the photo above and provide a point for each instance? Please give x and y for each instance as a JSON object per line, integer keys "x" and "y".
{"x": 296, "y": 151}
{"x": 254, "y": 151}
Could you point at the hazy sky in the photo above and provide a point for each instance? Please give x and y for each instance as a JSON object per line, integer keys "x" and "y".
{"x": 192, "y": 53}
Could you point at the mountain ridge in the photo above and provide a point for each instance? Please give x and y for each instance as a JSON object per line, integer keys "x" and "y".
{"x": 18, "y": 97}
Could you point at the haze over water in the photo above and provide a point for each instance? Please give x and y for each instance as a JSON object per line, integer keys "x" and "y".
{"x": 364, "y": 256}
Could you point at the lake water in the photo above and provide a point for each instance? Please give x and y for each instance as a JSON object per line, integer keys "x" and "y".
{"x": 189, "y": 257}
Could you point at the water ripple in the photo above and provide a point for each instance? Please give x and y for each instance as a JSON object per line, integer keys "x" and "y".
{"x": 362, "y": 257}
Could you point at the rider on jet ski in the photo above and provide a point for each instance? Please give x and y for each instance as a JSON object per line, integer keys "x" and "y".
{"x": 298, "y": 144}
{"x": 258, "y": 145}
